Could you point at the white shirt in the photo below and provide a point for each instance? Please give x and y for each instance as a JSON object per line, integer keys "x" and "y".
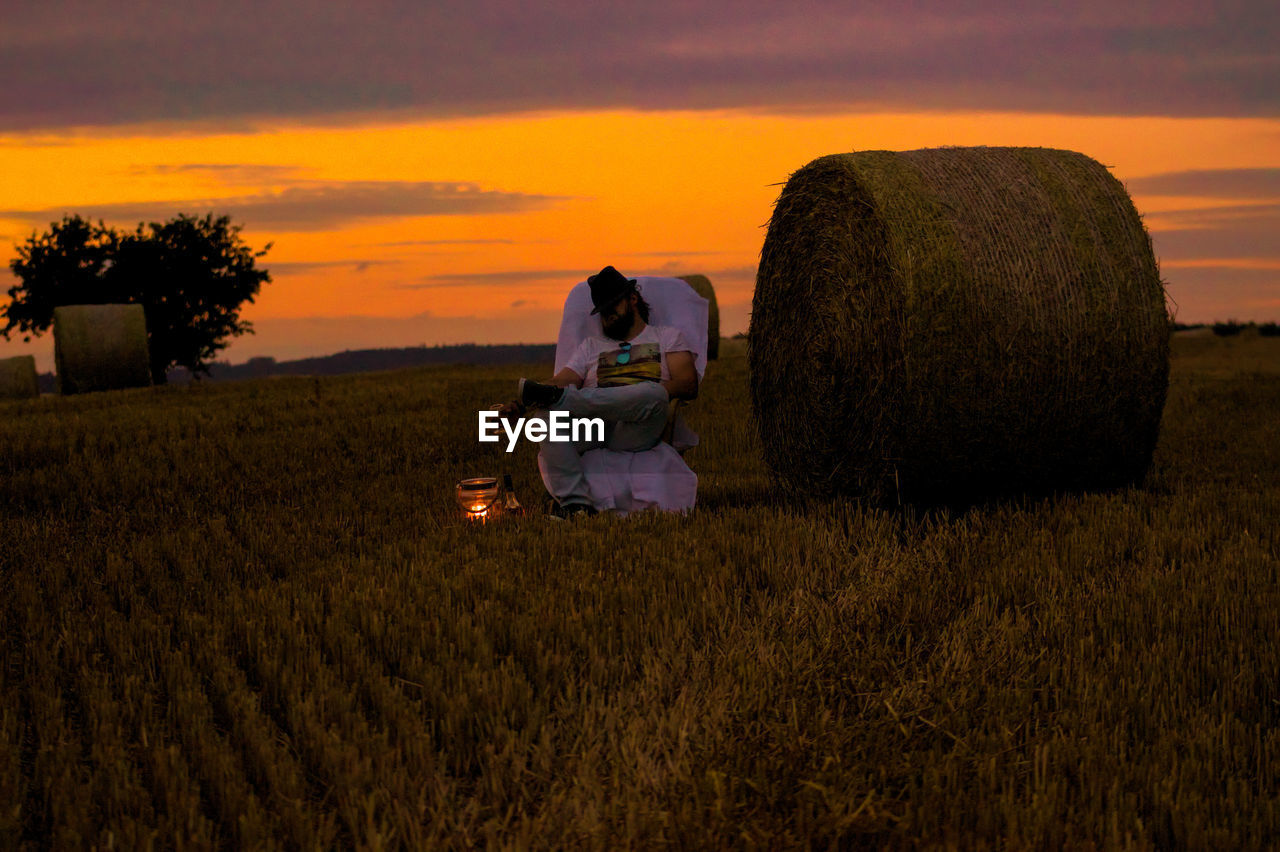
{"x": 596, "y": 358}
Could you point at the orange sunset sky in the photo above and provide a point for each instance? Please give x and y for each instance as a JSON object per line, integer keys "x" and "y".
{"x": 457, "y": 199}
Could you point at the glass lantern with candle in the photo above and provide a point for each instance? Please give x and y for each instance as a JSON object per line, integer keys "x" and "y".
{"x": 478, "y": 497}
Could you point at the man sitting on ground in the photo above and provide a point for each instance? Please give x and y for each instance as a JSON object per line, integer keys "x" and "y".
{"x": 626, "y": 378}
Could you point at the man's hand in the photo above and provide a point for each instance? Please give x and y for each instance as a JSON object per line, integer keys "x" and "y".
{"x": 509, "y": 410}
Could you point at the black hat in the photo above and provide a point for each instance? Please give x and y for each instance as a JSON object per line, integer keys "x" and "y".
{"x": 608, "y": 286}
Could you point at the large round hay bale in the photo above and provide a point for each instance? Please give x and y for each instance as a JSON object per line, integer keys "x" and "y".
{"x": 702, "y": 286}
{"x": 18, "y": 378}
{"x": 950, "y": 324}
{"x": 100, "y": 347}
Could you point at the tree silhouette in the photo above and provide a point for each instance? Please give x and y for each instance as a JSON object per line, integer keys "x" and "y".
{"x": 191, "y": 275}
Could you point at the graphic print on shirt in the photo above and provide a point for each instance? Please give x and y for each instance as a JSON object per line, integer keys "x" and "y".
{"x": 645, "y": 366}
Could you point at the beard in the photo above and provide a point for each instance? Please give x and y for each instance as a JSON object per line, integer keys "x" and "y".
{"x": 618, "y": 328}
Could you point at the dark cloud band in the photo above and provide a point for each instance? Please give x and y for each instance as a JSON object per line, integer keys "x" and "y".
{"x": 314, "y": 206}
{"x": 1212, "y": 183}
{"x": 78, "y": 63}
{"x": 508, "y": 276}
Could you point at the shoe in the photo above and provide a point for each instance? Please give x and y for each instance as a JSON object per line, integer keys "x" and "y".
{"x": 570, "y": 511}
{"x": 536, "y": 393}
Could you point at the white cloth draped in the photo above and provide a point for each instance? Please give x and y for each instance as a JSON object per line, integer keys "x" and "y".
{"x": 629, "y": 482}
{"x": 656, "y": 478}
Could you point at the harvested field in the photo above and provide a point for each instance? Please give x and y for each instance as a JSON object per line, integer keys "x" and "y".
{"x": 246, "y": 614}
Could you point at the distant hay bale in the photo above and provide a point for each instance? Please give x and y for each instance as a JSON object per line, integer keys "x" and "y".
{"x": 18, "y": 378}
{"x": 702, "y": 286}
{"x": 951, "y": 324}
{"x": 100, "y": 347}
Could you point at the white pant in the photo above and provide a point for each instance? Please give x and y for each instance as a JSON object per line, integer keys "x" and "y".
{"x": 634, "y": 417}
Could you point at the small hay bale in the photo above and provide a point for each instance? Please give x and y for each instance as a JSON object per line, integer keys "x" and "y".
{"x": 100, "y": 347}
{"x": 702, "y": 286}
{"x": 18, "y": 378}
{"x": 947, "y": 325}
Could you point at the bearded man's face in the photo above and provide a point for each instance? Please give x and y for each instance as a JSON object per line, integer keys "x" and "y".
{"x": 616, "y": 325}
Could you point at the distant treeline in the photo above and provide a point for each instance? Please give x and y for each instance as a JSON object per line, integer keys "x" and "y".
{"x": 1231, "y": 327}
{"x": 371, "y": 360}
{"x": 364, "y": 361}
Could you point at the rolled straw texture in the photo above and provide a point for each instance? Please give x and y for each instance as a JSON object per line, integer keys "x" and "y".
{"x": 18, "y": 378}
{"x": 946, "y": 325}
{"x": 702, "y": 286}
{"x": 100, "y": 347}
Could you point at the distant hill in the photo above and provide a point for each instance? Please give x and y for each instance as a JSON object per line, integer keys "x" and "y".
{"x": 370, "y": 360}
{"x": 363, "y": 361}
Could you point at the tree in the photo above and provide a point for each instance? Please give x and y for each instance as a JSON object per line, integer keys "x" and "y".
{"x": 191, "y": 275}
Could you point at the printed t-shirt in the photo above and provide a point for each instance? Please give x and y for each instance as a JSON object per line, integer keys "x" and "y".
{"x": 596, "y": 358}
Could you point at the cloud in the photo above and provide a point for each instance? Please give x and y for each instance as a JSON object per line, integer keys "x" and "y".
{"x": 1248, "y": 263}
{"x": 499, "y": 278}
{"x": 413, "y": 243}
{"x": 1238, "y": 231}
{"x": 671, "y": 253}
{"x": 311, "y": 206}
{"x": 229, "y": 174}
{"x": 715, "y": 273}
{"x": 1237, "y": 214}
{"x": 513, "y": 276}
{"x": 1207, "y": 293}
{"x": 1211, "y": 183}
{"x": 1254, "y": 241}
{"x": 85, "y": 63}
{"x": 1230, "y": 232}
{"x": 300, "y": 267}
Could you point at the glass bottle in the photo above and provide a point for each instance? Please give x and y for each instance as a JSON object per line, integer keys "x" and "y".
{"x": 510, "y": 505}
